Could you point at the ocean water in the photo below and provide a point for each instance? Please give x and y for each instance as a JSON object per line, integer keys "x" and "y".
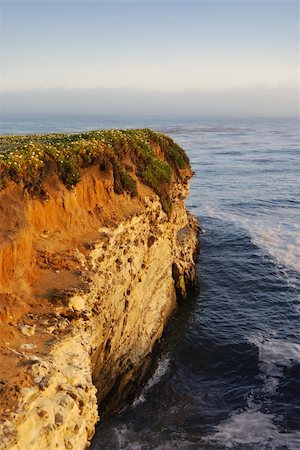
{"x": 228, "y": 372}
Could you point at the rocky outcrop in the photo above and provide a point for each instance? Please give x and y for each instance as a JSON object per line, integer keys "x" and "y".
{"x": 89, "y": 280}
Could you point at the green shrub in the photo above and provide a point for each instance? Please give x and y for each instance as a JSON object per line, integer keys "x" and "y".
{"x": 32, "y": 159}
{"x": 128, "y": 183}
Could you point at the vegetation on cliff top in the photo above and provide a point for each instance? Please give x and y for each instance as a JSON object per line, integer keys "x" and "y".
{"x": 32, "y": 159}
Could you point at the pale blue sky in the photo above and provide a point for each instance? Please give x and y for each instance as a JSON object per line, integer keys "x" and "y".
{"x": 154, "y": 48}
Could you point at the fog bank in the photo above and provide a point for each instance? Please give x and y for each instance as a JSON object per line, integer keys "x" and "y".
{"x": 282, "y": 101}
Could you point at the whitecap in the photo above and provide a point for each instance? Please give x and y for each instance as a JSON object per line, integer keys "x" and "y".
{"x": 161, "y": 370}
{"x": 274, "y": 356}
{"x": 121, "y": 433}
{"x": 253, "y": 427}
{"x": 277, "y": 233}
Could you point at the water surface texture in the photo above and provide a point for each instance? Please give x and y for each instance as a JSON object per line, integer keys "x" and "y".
{"x": 228, "y": 373}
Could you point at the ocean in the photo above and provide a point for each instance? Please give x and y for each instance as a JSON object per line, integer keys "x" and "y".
{"x": 228, "y": 371}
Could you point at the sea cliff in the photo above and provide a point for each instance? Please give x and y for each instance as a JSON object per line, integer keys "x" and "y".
{"x": 96, "y": 247}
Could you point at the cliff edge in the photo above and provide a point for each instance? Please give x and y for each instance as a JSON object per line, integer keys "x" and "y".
{"x": 95, "y": 247}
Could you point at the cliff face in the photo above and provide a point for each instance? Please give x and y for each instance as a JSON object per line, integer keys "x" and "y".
{"x": 88, "y": 281}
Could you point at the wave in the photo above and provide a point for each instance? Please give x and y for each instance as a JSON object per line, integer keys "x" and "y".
{"x": 127, "y": 439}
{"x": 253, "y": 427}
{"x": 274, "y": 355}
{"x": 274, "y": 234}
{"x": 229, "y": 153}
{"x": 194, "y": 129}
{"x": 161, "y": 370}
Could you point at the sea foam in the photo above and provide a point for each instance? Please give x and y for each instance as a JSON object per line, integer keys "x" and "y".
{"x": 253, "y": 427}
{"x": 279, "y": 238}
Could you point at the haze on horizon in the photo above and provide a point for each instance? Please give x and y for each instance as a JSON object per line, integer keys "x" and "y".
{"x": 192, "y": 58}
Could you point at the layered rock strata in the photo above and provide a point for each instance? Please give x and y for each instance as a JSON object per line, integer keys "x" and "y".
{"x": 88, "y": 282}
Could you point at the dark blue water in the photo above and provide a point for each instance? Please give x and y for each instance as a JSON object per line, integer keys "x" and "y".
{"x": 228, "y": 374}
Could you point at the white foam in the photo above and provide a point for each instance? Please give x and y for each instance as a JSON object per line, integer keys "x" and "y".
{"x": 251, "y": 425}
{"x": 277, "y": 232}
{"x": 254, "y": 427}
{"x": 121, "y": 433}
{"x": 177, "y": 444}
{"x": 140, "y": 399}
{"x": 274, "y": 356}
{"x": 125, "y": 439}
{"x": 161, "y": 370}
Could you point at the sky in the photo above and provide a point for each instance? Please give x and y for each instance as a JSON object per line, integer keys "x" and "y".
{"x": 145, "y": 57}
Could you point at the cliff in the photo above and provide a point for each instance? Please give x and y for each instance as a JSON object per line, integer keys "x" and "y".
{"x": 95, "y": 243}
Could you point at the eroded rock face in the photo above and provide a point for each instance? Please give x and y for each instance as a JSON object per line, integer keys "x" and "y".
{"x": 60, "y": 409}
{"x": 108, "y": 302}
{"x": 133, "y": 294}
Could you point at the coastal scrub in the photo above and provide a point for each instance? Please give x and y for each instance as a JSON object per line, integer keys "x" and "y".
{"x": 32, "y": 159}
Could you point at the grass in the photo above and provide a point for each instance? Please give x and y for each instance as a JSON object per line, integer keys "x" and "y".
{"x": 32, "y": 159}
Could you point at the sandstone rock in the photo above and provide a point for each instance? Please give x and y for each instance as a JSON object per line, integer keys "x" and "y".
{"x": 106, "y": 316}
{"x": 27, "y": 330}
